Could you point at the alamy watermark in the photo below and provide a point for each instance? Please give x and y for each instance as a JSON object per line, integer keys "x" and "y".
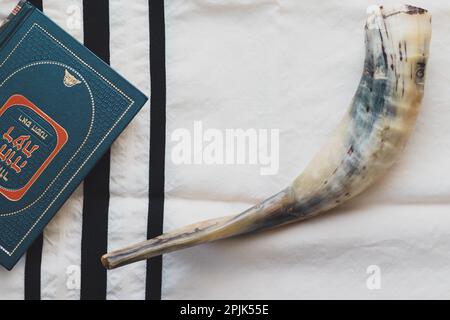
{"x": 73, "y": 277}
{"x": 373, "y": 281}
{"x": 210, "y": 146}
{"x": 74, "y": 16}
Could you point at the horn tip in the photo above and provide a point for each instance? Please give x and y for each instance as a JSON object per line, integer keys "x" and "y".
{"x": 105, "y": 262}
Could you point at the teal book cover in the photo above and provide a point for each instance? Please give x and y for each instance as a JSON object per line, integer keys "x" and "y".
{"x": 61, "y": 108}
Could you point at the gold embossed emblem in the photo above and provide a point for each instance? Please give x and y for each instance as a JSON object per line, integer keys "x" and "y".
{"x": 70, "y": 80}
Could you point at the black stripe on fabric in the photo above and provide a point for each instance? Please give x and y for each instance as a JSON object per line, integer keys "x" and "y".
{"x": 33, "y": 270}
{"x": 34, "y": 254}
{"x": 96, "y": 185}
{"x": 157, "y": 142}
{"x": 37, "y": 4}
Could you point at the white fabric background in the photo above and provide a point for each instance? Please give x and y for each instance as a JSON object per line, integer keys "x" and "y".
{"x": 294, "y": 66}
{"x": 288, "y": 65}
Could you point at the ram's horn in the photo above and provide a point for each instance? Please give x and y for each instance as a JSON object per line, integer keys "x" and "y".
{"x": 365, "y": 144}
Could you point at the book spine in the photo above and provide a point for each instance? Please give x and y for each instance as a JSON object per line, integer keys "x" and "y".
{"x": 12, "y": 23}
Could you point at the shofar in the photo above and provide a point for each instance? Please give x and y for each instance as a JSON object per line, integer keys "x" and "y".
{"x": 365, "y": 144}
